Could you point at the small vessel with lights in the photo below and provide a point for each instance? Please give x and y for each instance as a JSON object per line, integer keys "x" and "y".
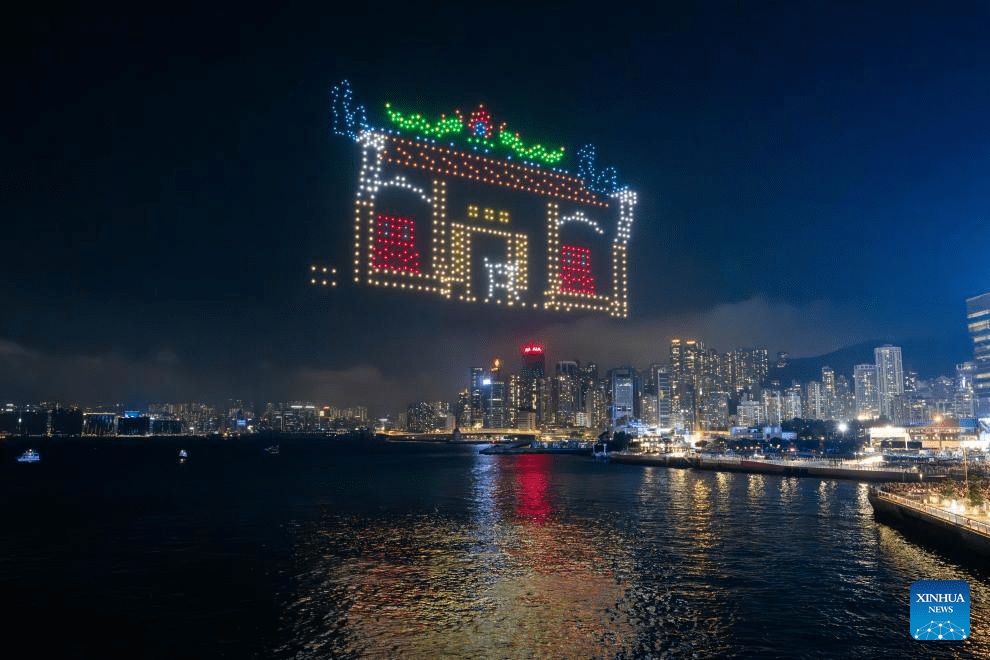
{"x": 29, "y": 456}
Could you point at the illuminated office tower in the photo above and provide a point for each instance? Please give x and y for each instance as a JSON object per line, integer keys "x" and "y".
{"x": 533, "y": 369}
{"x": 890, "y": 378}
{"x": 865, "y": 388}
{"x": 978, "y": 324}
{"x": 495, "y": 397}
{"x": 623, "y": 390}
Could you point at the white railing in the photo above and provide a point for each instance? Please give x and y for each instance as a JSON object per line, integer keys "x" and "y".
{"x": 955, "y": 518}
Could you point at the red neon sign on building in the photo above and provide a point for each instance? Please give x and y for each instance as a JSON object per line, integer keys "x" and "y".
{"x": 532, "y": 348}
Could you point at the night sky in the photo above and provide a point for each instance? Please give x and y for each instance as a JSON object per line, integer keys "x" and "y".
{"x": 811, "y": 176}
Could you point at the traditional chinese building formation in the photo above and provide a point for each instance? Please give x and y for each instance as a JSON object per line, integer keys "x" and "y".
{"x": 464, "y": 209}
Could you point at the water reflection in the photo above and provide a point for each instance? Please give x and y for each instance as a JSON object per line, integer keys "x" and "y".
{"x": 757, "y": 484}
{"x": 916, "y": 562}
{"x": 543, "y": 556}
{"x": 514, "y": 579}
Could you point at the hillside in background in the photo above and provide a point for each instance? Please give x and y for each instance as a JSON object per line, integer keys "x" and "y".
{"x": 930, "y": 357}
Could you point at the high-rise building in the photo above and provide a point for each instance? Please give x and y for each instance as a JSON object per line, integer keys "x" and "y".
{"x": 623, "y": 390}
{"x": 845, "y": 406}
{"x": 865, "y": 388}
{"x": 566, "y": 393}
{"x": 477, "y": 410}
{"x": 751, "y": 412}
{"x": 978, "y": 324}
{"x": 813, "y": 406}
{"x": 495, "y": 397}
{"x": 662, "y": 379}
{"x": 773, "y": 402}
{"x": 648, "y": 408}
{"x": 687, "y": 362}
{"x": 963, "y": 403}
{"x": 828, "y": 385}
{"x": 533, "y": 370}
{"x": 761, "y": 364}
{"x": 890, "y": 378}
{"x": 792, "y": 403}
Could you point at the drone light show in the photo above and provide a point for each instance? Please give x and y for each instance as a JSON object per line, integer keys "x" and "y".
{"x": 467, "y": 209}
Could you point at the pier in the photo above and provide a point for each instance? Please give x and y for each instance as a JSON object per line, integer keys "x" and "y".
{"x": 944, "y": 527}
{"x": 823, "y": 469}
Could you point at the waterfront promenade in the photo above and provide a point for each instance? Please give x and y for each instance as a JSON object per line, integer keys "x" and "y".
{"x": 821, "y": 468}
{"x": 968, "y": 528}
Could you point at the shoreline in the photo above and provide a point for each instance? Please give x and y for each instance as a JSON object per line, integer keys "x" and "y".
{"x": 782, "y": 468}
{"x": 931, "y": 524}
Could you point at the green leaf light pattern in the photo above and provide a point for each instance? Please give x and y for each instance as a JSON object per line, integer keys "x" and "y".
{"x": 474, "y": 133}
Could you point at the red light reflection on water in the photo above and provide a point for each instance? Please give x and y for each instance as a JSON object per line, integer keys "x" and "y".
{"x": 532, "y": 472}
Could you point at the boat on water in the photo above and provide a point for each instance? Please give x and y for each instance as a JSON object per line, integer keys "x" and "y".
{"x": 274, "y": 449}
{"x": 30, "y": 456}
{"x": 183, "y": 455}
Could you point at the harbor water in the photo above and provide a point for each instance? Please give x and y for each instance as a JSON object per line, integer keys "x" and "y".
{"x": 345, "y": 548}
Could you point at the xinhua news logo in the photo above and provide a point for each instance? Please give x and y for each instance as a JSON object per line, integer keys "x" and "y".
{"x": 940, "y": 609}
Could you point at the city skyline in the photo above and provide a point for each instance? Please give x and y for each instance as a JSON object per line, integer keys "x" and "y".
{"x": 700, "y": 388}
{"x": 159, "y": 241}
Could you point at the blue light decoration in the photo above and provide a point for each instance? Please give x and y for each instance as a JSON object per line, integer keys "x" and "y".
{"x": 348, "y": 119}
{"x": 604, "y": 182}
{"x": 420, "y": 158}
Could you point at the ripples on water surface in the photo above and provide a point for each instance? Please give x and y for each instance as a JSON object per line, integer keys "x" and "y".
{"x": 339, "y": 549}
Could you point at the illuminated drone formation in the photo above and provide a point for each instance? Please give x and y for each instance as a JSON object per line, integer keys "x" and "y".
{"x": 421, "y": 224}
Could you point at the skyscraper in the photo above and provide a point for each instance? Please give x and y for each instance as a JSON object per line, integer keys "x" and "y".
{"x": 662, "y": 378}
{"x": 534, "y": 362}
{"x": 865, "y": 387}
{"x": 623, "y": 390}
{"x": 566, "y": 393}
{"x": 495, "y": 397}
{"x": 532, "y": 384}
{"x": 477, "y": 409}
{"x": 828, "y": 384}
{"x": 814, "y": 403}
{"x": 890, "y": 378}
{"x": 978, "y": 324}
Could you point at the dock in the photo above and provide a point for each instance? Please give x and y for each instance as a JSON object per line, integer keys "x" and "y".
{"x": 941, "y": 526}
{"x": 822, "y": 469}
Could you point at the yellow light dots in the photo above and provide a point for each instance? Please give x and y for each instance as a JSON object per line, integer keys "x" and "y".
{"x": 449, "y": 266}
{"x": 509, "y": 174}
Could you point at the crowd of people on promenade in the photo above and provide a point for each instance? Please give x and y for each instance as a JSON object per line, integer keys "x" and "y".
{"x": 975, "y": 490}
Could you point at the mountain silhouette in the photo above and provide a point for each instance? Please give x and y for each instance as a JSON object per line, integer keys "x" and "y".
{"x": 929, "y": 356}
